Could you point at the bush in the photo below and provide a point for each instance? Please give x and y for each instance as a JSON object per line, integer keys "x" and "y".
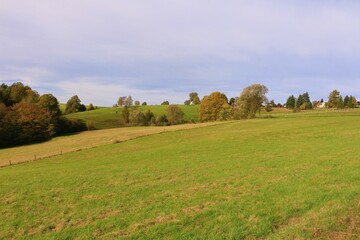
{"x": 225, "y": 114}
{"x": 137, "y": 118}
{"x": 91, "y": 107}
{"x": 268, "y": 107}
{"x": 125, "y": 114}
{"x": 90, "y": 125}
{"x": 174, "y": 114}
{"x": 148, "y": 117}
{"x": 162, "y": 120}
{"x": 71, "y": 125}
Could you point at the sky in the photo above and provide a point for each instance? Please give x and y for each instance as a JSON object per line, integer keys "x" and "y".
{"x": 163, "y": 49}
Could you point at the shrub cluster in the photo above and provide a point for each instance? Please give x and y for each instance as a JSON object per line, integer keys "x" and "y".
{"x": 134, "y": 117}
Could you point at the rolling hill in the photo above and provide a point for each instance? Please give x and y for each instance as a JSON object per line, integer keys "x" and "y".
{"x": 294, "y": 177}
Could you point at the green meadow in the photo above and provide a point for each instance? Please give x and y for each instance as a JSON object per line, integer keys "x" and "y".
{"x": 289, "y": 176}
{"x": 109, "y": 117}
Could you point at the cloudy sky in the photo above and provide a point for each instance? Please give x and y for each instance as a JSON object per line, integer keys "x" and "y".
{"x": 163, "y": 49}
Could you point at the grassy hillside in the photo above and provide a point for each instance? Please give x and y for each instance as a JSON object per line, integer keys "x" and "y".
{"x": 278, "y": 178}
{"x": 110, "y": 117}
{"x": 84, "y": 140}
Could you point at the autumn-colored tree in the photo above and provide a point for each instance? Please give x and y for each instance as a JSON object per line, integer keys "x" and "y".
{"x": 174, "y": 114}
{"x": 9, "y": 129}
{"x": 137, "y": 103}
{"x": 211, "y": 106}
{"x": 35, "y": 123}
{"x": 25, "y": 117}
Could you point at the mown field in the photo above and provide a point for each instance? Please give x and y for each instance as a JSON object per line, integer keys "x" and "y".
{"x": 109, "y": 117}
{"x": 289, "y": 177}
{"x": 84, "y": 140}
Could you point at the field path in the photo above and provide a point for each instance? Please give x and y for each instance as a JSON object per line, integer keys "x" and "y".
{"x": 84, "y": 140}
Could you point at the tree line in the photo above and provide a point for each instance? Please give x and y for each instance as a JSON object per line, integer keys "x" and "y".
{"x": 27, "y": 117}
{"x": 213, "y": 107}
{"x": 335, "y": 100}
{"x": 302, "y": 102}
{"x": 134, "y": 117}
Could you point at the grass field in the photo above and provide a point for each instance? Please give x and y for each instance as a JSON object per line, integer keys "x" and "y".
{"x": 289, "y": 177}
{"x": 109, "y": 117}
{"x": 84, "y": 140}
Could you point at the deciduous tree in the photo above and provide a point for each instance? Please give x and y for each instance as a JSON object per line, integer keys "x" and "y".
{"x": 250, "y": 101}
{"x": 74, "y": 105}
{"x": 121, "y": 101}
{"x": 128, "y": 101}
{"x": 50, "y": 102}
{"x": 211, "y": 106}
{"x": 194, "y": 98}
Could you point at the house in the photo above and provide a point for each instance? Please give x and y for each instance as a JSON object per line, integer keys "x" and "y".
{"x": 321, "y": 105}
